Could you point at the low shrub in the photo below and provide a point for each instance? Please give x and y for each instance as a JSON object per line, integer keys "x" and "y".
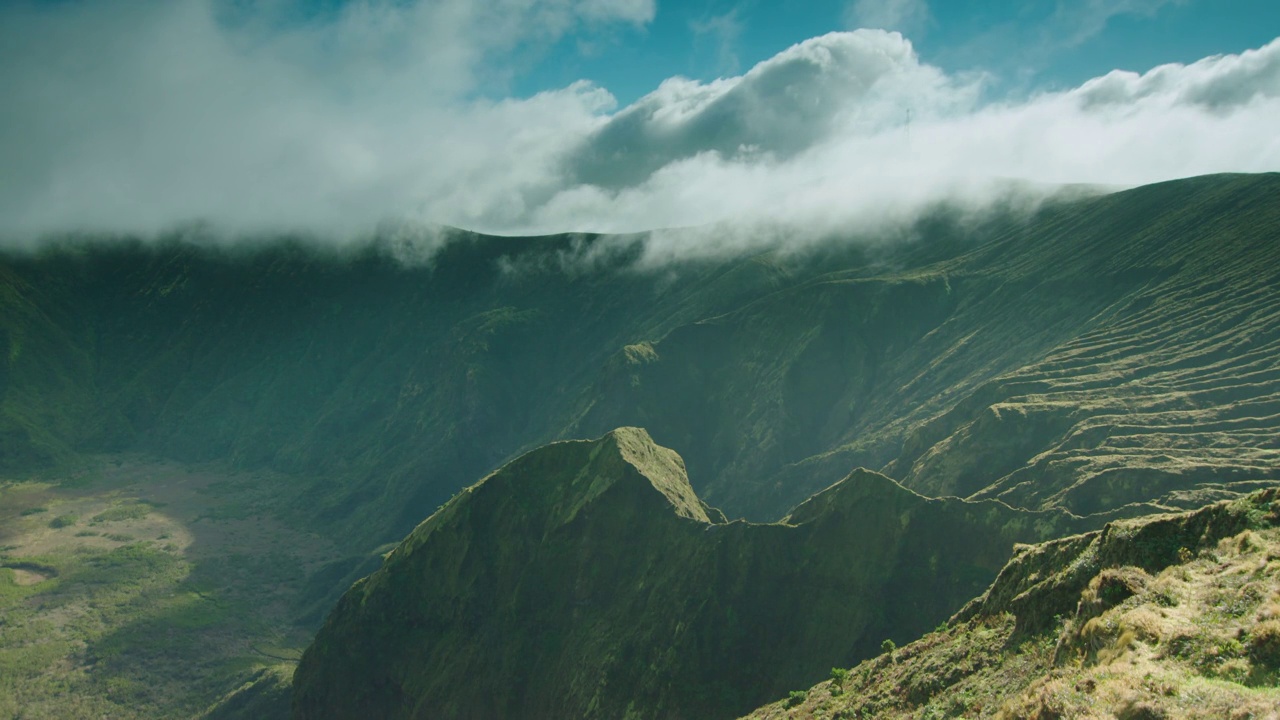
{"x": 64, "y": 521}
{"x": 1264, "y": 643}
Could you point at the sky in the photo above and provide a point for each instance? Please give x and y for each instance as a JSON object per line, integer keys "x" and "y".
{"x": 339, "y": 117}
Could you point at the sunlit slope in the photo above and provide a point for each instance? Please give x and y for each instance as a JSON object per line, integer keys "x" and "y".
{"x": 1171, "y": 616}
{"x": 1114, "y": 350}
{"x": 586, "y": 579}
{"x": 1173, "y": 387}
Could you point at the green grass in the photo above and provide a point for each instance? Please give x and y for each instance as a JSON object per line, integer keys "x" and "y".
{"x": 33, "y": 645}
{"x": 130, "y": 511}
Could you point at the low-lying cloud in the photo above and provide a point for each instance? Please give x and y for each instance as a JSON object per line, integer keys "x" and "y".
{"x": 135, "y": 116}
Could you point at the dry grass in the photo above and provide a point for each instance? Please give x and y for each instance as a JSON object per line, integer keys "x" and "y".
{"x": 1196, "y": 642}
{"x": 1198, "y": 639}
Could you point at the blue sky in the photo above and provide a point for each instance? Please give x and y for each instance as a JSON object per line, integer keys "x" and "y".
{"x": 1025, "y": 46}
{"x": 531, "y": 116}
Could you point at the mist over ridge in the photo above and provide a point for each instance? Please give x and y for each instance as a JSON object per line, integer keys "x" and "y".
{"x": 417, "y": 244}
{"x": 137, "y": 118}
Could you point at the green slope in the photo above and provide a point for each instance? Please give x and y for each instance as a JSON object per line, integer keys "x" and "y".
{"x": 586, "y": 579}
{"x": 45, "y": 371}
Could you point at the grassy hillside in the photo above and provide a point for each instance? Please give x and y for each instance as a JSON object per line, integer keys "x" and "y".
{"x": 1113, "y": 350}
{"x": 384, "y": 386}
{"x": 586, "y": 578}
{"x": 46, "y": 369}
{"x": 1174, "y": 616}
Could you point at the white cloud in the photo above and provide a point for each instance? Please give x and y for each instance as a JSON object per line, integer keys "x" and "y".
{"x": 724, "y": 30}
{"x": 855, "y": 161}
{"x": 1075, "y": 21}
{"x": 1222, "y": 83}
{"x": 142, "y": 115}
{"x": 907, "y": 16}
{"x": 847, "y": 82}
{"x": 137, "y": 114}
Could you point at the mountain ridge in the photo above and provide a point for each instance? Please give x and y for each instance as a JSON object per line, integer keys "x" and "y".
{"x": 613, "y": 593}
{"x": 1000, "y": 332}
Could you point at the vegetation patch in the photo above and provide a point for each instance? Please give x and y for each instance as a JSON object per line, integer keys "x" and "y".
{"x": 124, "y": 511}
{"x": 1192, "y": 636}
{"x": 63, "y": 521}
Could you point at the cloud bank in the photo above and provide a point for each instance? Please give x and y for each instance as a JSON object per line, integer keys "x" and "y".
{"x": 134, "y": 116}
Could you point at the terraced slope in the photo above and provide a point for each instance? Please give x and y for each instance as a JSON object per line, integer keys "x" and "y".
{"x": 586, "y": 579}
{"x": 1111, "y": 351}
{"x": 1173, "y": 616}
{"x": 1174, "y": 387}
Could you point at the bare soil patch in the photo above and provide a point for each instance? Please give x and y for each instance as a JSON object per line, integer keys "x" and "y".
{"x": 28, "y": 577}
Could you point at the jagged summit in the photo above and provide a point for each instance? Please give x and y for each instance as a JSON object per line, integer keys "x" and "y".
{"x": 664, "y": 469}
{"x": 557, "y": 482}
{"x": 860, "y": 486}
